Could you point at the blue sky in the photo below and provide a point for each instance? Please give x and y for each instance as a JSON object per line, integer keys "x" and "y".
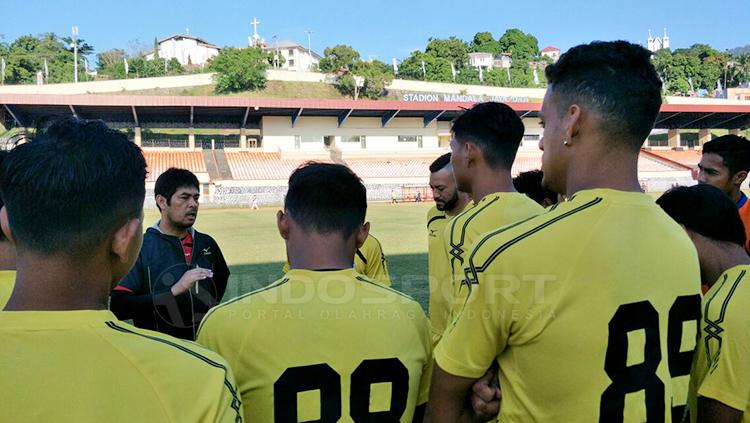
{"x": 382, "y": 29}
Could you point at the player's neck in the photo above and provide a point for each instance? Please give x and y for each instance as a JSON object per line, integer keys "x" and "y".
{"x": 724, "y": 258}
{"x": 166, "y": 227}
{"x": 736, "y": 195}
{"x": 463, "y": 200}
{"x": 486, "y": 180}
{"x": 317, "y": 252}
{"x": 7, "y": 256}
{"x": 59, "y": 283}
{"x": 614, "y": 172}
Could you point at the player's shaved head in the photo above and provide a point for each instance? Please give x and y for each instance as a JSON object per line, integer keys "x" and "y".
{"x": 326, "y": 198}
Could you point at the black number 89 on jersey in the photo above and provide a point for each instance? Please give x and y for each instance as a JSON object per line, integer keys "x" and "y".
{"x": 629, "y": 379}
{"x": 323, "y": 378}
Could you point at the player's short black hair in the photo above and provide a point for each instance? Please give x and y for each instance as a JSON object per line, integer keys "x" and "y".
{"x": 706, "y": 210}
{"x": 326, "y": 198}
{"x": 173, "y": 179}
{"x": 530, "y": 183}
{"x": 617, "y": 80}
{"x": 440, "y": 163}
{"x": 495, "y": 128}
{"x": 734, "y": 151}
{"x": 69, "y": 187}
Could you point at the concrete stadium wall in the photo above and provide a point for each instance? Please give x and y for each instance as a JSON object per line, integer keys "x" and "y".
{"x": 117, "y": 85}
{"x": 439, "y": 87}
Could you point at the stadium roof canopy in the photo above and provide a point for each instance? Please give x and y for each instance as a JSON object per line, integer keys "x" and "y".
{"x": 237, "y": 112}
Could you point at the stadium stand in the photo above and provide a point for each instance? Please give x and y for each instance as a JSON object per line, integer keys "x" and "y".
{"x": 159, "y": 161}
{"x": 263, "y": 174}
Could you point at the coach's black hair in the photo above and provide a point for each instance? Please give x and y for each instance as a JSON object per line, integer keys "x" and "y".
{"x": 326, "y": 198}
{"x": 495, "y": 128}
{"x": 617, "y": 80}
{"x": 734, "y": 151}
{"x": 706, "y": 210}
{"x": 530, "y": 183}
{"x": 171, "y": 180}
{"x": 440, "y": 163}
{"x": 69, "y": 187}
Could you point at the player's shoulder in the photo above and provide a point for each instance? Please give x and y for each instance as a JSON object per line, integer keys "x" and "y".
{"x": 386, "y": 292}
{"x": 372, "y": 244}
{"x": 434, "y": 215}
{"x": 730, "y": 292}
{"x": 170, "y": 352}
{"x": 235, "y": 305}
{"x": 528, "y": 230}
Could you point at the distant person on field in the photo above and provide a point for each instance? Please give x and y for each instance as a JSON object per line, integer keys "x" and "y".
{"x": 720, "y": 377}
{"x": 74, "y": 208}
{"x": 530, "y": 183}
{"x": 325, "y": 343}
{"x": 393, "y": 197}
{"x": 724, "y": 164}
{"x": 254, "y": 203}
{"x": 180, "y": 273}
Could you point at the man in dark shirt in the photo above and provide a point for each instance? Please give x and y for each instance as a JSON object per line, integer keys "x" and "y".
{"x": 180, "y": 273}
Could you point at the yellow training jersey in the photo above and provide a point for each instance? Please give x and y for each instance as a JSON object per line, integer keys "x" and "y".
{"x": 491, "y": 212}
{"x": 369, "y": 261}
{"x": 438, "y": 271}
{"x": 721, "y": 368}
{"x": 86, "y": 366}
{"x": 324, "y": 346}
{"x": 7, "y": 281}
{"x": 590, "y": 310}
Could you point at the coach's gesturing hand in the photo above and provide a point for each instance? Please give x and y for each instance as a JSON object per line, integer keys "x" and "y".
{"x": 189, "y": 279}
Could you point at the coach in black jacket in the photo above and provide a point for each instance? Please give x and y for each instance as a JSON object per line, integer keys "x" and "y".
{"x": 180, "y": 273}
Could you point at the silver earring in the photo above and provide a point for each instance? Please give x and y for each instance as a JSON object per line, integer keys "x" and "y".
{"x": 565, "y": 141}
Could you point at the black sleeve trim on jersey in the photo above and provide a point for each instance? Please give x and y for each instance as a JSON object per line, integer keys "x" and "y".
{"x": 232, "y": 390}
{"x": 456, "y": 249}
{"x": 361, "y": 256}
{"x": 713, "y": 327}
{"x": 429, "y": 222}
{"x": 361, "y": 279}
{"x": 471, "y": 272}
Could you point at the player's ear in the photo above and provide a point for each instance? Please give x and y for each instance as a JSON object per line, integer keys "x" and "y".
{"x": 5, "y": 224}
{"x": 362, "y": 234}
{"x": 127, "y": 239}
{"x": 574, "y": 122}
{"x": 739, "y": 177}
{"x": 282, "y": 222}
{"x": 161, "y": 201}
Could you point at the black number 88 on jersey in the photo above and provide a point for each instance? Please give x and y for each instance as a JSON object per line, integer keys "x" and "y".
{"x": 629, "y": 379}
{"x": 323, "y": 378}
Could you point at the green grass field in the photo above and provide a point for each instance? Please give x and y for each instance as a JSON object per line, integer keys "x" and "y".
{"x": 255, "y": 251}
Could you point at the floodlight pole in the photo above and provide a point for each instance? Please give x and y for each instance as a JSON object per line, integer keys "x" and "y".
{"x": 75, "y": 54}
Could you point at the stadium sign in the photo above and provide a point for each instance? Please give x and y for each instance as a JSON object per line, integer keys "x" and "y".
{"x": 461, "y": 98}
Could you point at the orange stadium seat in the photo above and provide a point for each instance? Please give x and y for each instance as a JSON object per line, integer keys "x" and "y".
{"x": 159, "y": 161}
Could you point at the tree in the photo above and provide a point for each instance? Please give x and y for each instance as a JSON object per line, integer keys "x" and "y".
{"x": 111, "y": 63}
{"x": 524, "y": 47}
{"x": 337, "y": 58}
{"x": 156, "y": 48}
{"x": 240, "y": 69}
{"x": 436, "y": 68}
{"x": 484, "y": 42}
{"x": 374, "y": 75}
{"x": 451, "y": 49}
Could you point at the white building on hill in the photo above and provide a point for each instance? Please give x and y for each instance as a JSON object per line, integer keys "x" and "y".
{"x": 656, "y": 44}
{"x": 187, "y": 49}
{"x": 295, "y": 57}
